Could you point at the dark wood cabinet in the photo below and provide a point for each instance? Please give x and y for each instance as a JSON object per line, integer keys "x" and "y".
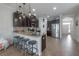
{"x": 49, "y": 33}
{"x": 43, "y": 42}
{"x": 19, "y": 21}
{"x": 34, "y": 21}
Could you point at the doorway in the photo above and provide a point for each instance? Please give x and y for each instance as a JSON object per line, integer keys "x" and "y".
{"x": 67, "y": 26}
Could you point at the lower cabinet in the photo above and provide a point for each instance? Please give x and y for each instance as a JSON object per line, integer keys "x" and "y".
{"x": 49, "y": 33}
{"x": 43, "y": 42}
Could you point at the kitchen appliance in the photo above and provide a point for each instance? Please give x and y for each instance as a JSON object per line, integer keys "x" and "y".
{"x": 55, "y": 30}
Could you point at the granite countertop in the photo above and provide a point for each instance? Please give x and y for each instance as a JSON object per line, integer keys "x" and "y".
{"x": 27, "y": 33}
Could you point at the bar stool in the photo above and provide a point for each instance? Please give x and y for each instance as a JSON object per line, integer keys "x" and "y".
{"x": 25, "y": 45}
{"x": 20, "y": 43}
{"x": 32, "y": 49}
{"x": 15, "y": 41}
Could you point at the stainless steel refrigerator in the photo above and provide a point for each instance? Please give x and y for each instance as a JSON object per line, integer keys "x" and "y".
{"x": 55, "y": 30}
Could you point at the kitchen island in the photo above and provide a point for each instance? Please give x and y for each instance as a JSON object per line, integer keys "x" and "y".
{"x": 34, "y": 33}
{"x": 28, "y": 35}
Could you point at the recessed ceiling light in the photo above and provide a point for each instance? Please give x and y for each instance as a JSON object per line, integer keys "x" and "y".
{"x": 48, "y": 16}
{"x": 33, "y": 10}
{"x": 54, "y": 8}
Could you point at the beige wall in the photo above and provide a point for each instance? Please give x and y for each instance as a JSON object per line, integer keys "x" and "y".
{"x": 76, "y": 31}
{"x": 6, "y": 20}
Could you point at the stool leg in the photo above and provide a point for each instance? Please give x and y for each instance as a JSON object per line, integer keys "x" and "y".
{"x": 32, "y": 50}
{"x": 26, "y": 50}
{"x": 24, "y": 53}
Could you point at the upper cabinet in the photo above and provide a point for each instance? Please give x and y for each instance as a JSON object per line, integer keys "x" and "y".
{"x": 20, "y": 20}
{"x": 34, "y": 21}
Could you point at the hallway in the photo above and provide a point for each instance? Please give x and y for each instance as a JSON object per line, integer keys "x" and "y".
{"x": 64, "y": 47}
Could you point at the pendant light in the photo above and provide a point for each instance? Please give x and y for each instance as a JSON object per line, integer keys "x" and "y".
{"x": 24, "y": 8}
{"x": 30, "y": 10}
{"x": 20, "y": 12}
{"x": 24, "y": 11}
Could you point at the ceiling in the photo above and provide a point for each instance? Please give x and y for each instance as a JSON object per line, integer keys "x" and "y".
{"x": 46, "y": 9}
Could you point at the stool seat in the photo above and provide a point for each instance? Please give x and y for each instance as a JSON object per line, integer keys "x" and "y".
{"x": 16, "y": 36}
{"x": 32, "y": 42}
{"x": 21, "y": 38}
{"x": 26, "y": 40}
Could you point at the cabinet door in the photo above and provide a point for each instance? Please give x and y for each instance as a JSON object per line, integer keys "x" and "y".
{"x": 17, "y": 19}
{"x": 43, "y": 42}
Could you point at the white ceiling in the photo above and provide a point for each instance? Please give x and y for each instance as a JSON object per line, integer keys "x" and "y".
{"x": 46, "y": 9}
